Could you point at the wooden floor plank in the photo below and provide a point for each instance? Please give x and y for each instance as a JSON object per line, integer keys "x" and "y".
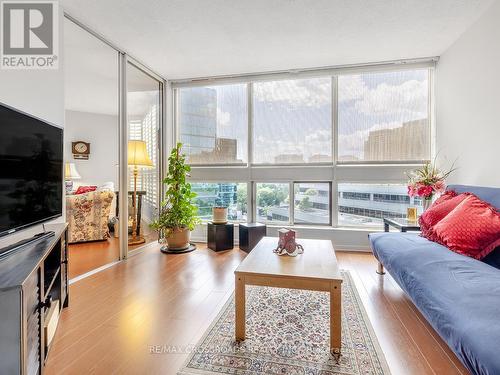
{"x": 84, "y": 257}
{"x": 153, "y": 299}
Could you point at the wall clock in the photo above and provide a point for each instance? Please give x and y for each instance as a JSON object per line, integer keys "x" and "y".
{"x": 80, "y": 149}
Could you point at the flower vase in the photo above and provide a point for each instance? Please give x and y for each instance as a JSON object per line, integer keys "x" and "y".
{"x": 426, "y": 203}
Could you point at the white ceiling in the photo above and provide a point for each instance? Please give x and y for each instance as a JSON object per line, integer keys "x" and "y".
{"x": 90, "y": 72}
{"x": 197, "y": 38}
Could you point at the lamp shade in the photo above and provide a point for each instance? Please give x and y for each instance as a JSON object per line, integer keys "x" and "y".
{"x": 70, "y": 172}
{"x": 138, "y": 154}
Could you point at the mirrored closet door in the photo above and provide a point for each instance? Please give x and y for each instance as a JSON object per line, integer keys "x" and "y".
{"x": 91, "y": 149}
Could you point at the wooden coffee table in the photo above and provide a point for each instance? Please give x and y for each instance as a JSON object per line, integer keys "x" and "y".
{"x": 315, "y": 269}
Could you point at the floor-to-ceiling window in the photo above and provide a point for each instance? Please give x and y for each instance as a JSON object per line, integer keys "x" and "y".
{"x": 318, "y": 149}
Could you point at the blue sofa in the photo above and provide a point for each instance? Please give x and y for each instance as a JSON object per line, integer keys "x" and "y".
{"x": 458, "y": 295}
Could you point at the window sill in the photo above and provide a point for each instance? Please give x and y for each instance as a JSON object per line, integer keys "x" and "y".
{"x": 315, "y": 227}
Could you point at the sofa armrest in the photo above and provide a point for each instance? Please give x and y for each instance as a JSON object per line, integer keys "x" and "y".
{"x": 87, "y": 215}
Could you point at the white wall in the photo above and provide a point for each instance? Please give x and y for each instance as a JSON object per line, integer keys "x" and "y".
{"x": 468, "y": 103}
{"x": 101, "y": 131}
{"x": 39, "y": 93}
{"x": 343, "y": 239}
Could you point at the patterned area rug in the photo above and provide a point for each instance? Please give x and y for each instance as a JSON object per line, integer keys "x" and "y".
{"x": 288, "y": 333}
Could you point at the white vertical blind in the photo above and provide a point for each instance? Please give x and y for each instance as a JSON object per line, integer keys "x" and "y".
{"x": 147, "y": 130}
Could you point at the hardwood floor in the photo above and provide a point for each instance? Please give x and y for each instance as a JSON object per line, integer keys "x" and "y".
{"x": 117, "y": 315}
{"x": 87, "y": 256}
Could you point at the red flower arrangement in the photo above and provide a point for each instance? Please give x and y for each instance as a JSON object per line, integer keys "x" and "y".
{"x": 427, "y": 181}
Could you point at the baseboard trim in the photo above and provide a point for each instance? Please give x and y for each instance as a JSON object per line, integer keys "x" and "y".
{"x": 362, "y": 249}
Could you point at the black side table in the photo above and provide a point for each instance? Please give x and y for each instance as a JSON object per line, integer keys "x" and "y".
{"x": 404, "y": 225}
{"x": 220, "y": 236}
{"x": 250, "y": 235}
{"x": 140, "y": 194}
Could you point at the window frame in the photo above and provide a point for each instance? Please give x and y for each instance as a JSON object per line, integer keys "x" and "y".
{"x": 291, "y": 209}
{"x": 330, "y": 203}
{"x": 254, "y": 200}
{"x": 363, "y": 182}
{"x": 335, "y": 172}
{"x": 228, "y": 182}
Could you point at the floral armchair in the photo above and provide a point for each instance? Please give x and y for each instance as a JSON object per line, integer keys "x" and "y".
{"x": 87, "y": 215}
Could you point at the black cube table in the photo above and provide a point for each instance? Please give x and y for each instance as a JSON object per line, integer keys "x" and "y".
{"x": 250, "y": 235}
{"x": 220, "y": 236}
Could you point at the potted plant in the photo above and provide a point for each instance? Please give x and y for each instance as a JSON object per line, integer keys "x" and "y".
{"x": 177, "y": 217}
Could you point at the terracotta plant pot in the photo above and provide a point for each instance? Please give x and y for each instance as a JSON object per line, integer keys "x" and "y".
{"x": 179, "y": 238}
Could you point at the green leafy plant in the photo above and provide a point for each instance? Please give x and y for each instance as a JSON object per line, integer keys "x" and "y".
{"x": 177, "y": 208}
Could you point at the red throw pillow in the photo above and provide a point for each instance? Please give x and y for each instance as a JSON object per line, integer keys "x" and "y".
{"x": 439, "y": 209}
{"x": 85, "y": 189}
{"x": 472, "y": 228}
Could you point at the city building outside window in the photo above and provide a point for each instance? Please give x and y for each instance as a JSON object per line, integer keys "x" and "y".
{"x": 232, "y": 195}
{"x": 312, "y": 202}
{"x": 213, "y": 124}
{"x": 383, "y": 200}
{"x": 273, "y": 202}
{"x": 384, "y": 116}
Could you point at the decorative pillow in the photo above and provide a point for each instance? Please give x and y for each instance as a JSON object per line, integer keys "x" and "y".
{"x": 472, "y": 228}
{"x": 85, "y": 189}
{"x": 439, "y": 209}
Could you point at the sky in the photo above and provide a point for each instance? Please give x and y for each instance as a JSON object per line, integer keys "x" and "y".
{"x": 294, "y": 116}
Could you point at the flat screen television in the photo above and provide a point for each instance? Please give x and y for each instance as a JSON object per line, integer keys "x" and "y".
{"x": 31, "y": 170}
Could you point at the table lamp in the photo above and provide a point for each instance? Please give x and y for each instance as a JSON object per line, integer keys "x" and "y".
{"x": 137, "y": 158}
{"x": 70, "y": 174}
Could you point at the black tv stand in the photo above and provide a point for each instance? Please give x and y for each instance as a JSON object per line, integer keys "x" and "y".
{"x": 16, "y": 246}
{"x": 33, "y": 293}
